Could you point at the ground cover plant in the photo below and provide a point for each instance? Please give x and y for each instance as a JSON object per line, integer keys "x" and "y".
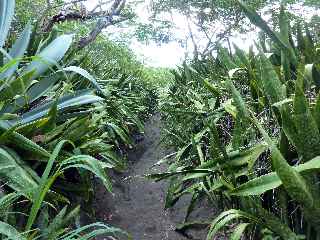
{"x": 61, "y": 128}
{"x": 246, "y": 129}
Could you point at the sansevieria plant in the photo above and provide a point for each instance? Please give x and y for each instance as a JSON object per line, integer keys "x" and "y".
{"x": 252, "y": 140}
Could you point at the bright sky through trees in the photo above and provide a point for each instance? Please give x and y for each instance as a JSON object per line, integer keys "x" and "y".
{"x": 173, "y": 53}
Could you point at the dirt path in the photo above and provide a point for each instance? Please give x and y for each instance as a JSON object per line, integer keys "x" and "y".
{"x": 137, "y": 205}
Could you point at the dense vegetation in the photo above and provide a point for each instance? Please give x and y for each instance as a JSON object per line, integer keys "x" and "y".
{"x": 62, "y": 127}
{"x": 246, "y": 130}
{"x": 245, "y": 126}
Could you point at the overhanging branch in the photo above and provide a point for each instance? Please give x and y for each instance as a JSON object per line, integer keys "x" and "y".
{"x": 103, "y": 23}
{"x": 105, "y": 19}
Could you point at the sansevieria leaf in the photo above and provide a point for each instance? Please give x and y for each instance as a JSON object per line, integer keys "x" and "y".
{"x": 271, "y": 180}
{"x": 307, "y": 136}
{"x": 256, "y": 19}
{"x": 312, "y": 73}
{"x": 271, "y": 83}
{"x": 295, "y": 184}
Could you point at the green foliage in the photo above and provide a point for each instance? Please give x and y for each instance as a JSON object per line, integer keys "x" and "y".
{"x": 61, "y": 126}
{"x": 245, "y": 127}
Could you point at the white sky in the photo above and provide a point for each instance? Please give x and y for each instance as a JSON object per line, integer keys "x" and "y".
{"x": 166, "y": 55}
{"x": 172, "y": 54}
{"x": 152, "y": 54}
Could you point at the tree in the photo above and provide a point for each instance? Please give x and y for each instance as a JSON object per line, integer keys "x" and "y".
{"x": 211, "y": 22}
{"x": 104, "y": 14}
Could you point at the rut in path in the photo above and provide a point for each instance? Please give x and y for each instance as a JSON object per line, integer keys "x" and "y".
{"x": 138, "y": 203}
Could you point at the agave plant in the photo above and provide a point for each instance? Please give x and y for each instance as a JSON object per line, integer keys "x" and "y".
{"x": 41, "y": 111}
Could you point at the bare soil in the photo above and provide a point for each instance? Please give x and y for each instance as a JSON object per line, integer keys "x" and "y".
{"x": 137, "y": 205}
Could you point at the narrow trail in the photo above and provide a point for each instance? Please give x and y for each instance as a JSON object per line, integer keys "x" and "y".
{"x": 138, "y": 203}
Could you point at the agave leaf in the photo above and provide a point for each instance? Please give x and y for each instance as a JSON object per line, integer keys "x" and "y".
{"x": 6, "y": 16}
{"x": 20, "y": 46}
{"x": 21, "y": 141}
{"x": 16, "y": 87}
{"x": 17, "y": 178}
{"x": 7, "y": 66}
{"x": 53, "y": 53}
{"x": 10, "y": 232}
{"x": 49, "y": 56}
{"x": 62, "y": 117}
{"x": 91, "y": 164}
{"x": 8, "y": 116}
{"x": 71, "y": 100}
{"x": 238, "y": 231}
{"x": 44, "y": 185}
{"x": 85, "y": 74}
{"x": 86, "y": 232}
{"x": 17, "y": 52}
{"x": 120, "y": 132}
{"x": 7, "y": 200}
{"x": 52, "y": 118}
{"x": 33, "y": 93}
{"x": 225, "y": 217}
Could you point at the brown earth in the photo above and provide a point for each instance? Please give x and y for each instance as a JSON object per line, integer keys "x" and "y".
{"x": 138, "y": 203}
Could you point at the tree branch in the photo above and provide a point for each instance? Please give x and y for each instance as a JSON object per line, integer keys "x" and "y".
{"x": 195, "y": 47}
{"x": 103, "y": 23}
{"x": 106, "y": 18}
